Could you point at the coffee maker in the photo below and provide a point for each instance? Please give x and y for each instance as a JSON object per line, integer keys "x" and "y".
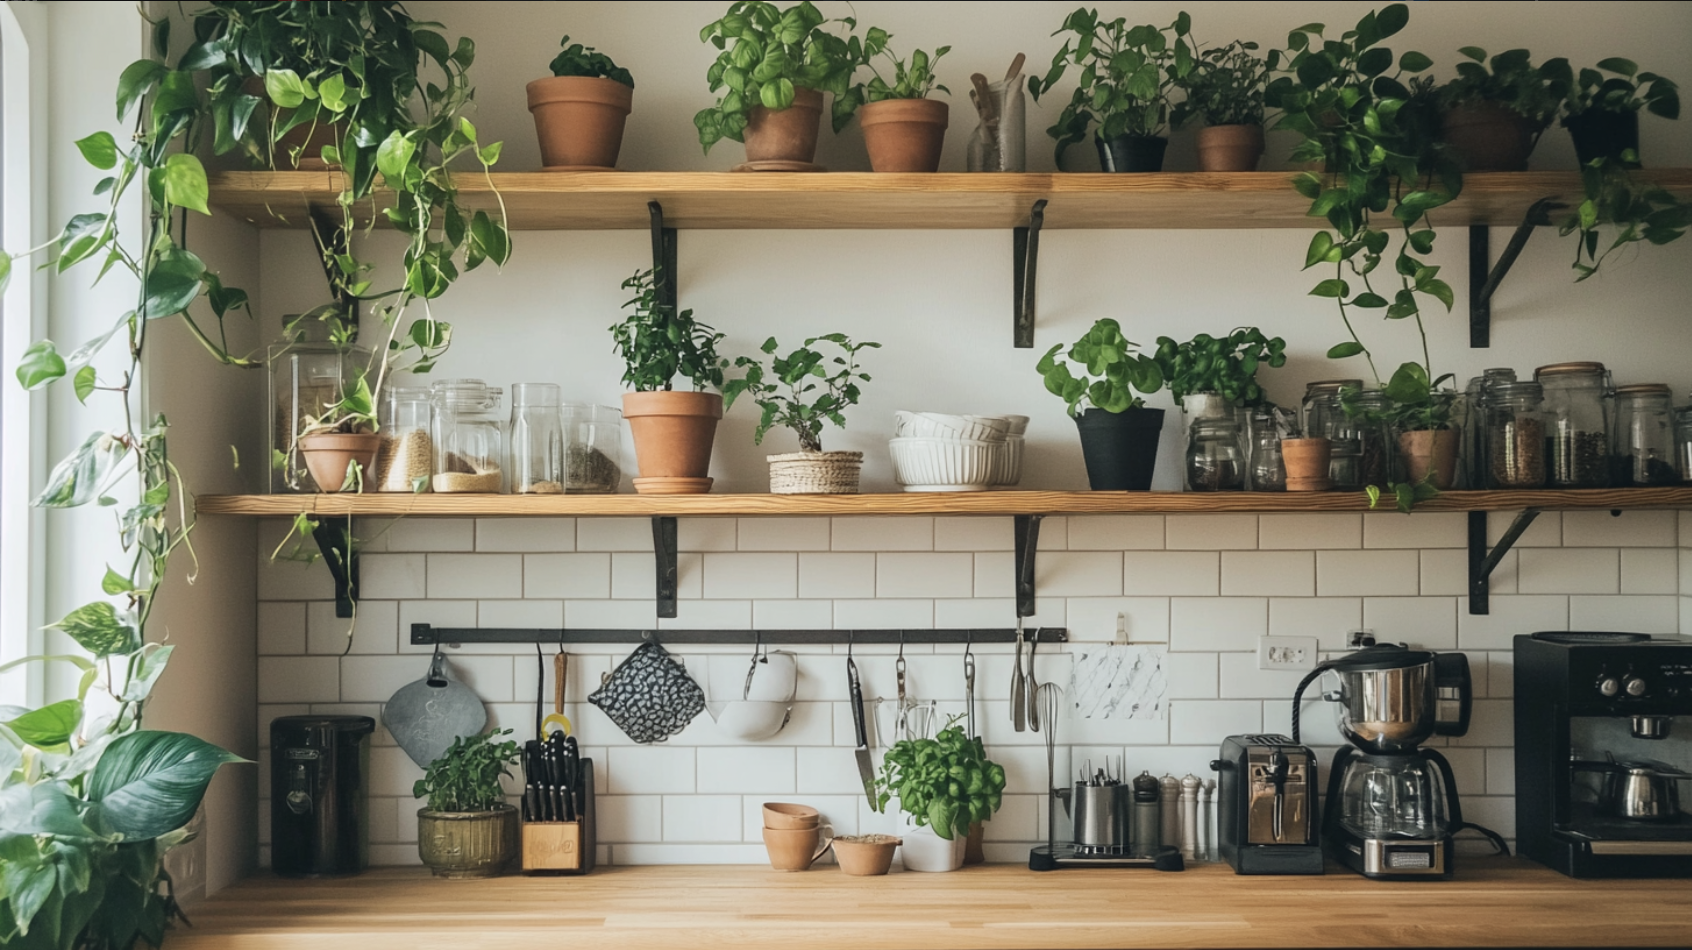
{"x": 1603, "y": 753}
{"x": 1392, "y": 802}
{"x": 1266, "y": 806}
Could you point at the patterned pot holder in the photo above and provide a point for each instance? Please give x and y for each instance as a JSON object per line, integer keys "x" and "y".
{"x": 649, "y": 695}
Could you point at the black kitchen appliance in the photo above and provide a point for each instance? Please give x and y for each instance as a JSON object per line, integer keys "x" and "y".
{"x": 319, "y": 795}
{"x": 1266, "y": 806}
{"x": 1603, "y": 737}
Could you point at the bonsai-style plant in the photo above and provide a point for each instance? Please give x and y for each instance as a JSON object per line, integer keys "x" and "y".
{"x": 465, "y": 828}
{"x": 1495, "y": 110}
{"x": 944, "y": 784}
{"x": 772, "y": 70}
{"x": 1118, "y": 434}
{"x": 903, "y": 128}
{"x": 1224, "y": 93}
{"x": 672, "y": 429}
{"x": 1126, "y": 75}
{"x": 1226, "y": 366}
{"x": 580, "y": 110}
{"x": 803, "y": 391}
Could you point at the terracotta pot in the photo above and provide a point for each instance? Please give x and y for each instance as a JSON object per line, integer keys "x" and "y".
{"x": 673, "y": 433}
{"x": 789, "y": 135}
{"x": 865, "y": 855}
{"x": 579, "y": 119}
{"x": 328, "y": 455}
{"x": 1307, "y": 463}
{"x": 1230, "y": 148}
{"x": 783, "y": 816}
{"x": 1488, "y": 137}
{"x": 467, "y": 844}
{"x": 797, "y": 849}
{"x": 904, "y": 135}
{"x": 1430, "y": 449}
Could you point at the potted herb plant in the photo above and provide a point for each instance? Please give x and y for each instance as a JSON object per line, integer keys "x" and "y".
{"x": 903, "y": 128}
{"x": 1127, "y": 74}
{"x": 944, "y": 785}
{"x": 1601, "y": 111}
{"x": 1118, "y": 433}
{"x": 1418, "y": 410}
{"x": 772, "y": 70}
{"x": 1224, "y": 92}
{"x": 1215, "y": 381}
{"x": 673, "y": 430}
{"x": 580, "y": 109}
{"x": 802, "y": 391}
{"x": 466, "y": 829}
{"x": 1495, "y": 111}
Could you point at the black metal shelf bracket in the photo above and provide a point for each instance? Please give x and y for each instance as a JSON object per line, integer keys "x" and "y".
{"x": 663, "y": 256}
{"x": 1027, "y": 546}
{"x": 1025, "y": 257}
{"x": 423, "y": 634}
{"x": 664, "y": 552}
{"x": 330, "y": 236}
{"x": 1485, "y": 277}
{"x": 334, "y": 539}
{"x": 1482, "y": 562}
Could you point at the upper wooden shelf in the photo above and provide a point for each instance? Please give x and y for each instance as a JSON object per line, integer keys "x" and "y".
{"x": 959, "y": 503}
{"x": 539, "y": 201}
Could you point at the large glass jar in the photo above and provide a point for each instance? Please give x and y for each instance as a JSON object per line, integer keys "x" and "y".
{"x": 307, "y": 377}
{"x": 1514, "y": 435}
{"x": 1361, "y": 423}
{"x": 1210, "y": 407}
{"x": 1215, "y": 461}
{"x": 1683, "y": 442}
{"x": 593, "y": 449}
{"x": 1267, "y": 470}
{"x": 537, "y": 440}
{"x": 406, "y": 459}
{"x": 1471, "y": 420}
{"x": 468, "y": 436}
{"x": 1642, "y": 441}
{"x": 1323, "y": 418}
{"x": 1577, "y": 437}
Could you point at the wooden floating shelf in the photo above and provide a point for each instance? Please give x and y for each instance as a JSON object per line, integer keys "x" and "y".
{"x": 726, "y": 200}
{"x": 961, "y": 503}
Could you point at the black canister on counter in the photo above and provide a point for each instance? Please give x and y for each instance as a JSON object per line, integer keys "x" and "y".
{"x": 1147, "y": 821}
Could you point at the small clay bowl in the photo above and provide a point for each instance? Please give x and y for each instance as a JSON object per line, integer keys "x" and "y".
{"x": 783, "y": 816}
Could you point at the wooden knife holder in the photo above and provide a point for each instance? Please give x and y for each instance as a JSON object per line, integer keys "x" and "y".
{"x": 563, "y": 847}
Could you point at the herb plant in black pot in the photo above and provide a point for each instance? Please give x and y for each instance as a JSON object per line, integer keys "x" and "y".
{"x": 1225, "y": 94}
{"x": 580, "y": 109}
{"x": 1495, "y": 110}
{"x": 1119, "y": 434}
{"x": 466, "y": 829}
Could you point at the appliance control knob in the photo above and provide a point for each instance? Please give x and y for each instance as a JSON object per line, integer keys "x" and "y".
{"x": 1608, "y": 686}
{"x": 1635, "y": 686}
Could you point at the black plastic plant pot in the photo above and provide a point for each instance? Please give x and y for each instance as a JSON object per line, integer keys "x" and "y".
{"x": 1120, "y": 447}
{"x": 1131, "y": 153}
{"x": 1600, "y": 134}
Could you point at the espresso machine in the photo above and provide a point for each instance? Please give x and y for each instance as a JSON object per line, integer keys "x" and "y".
{"x": 1266, "y": 806}
{"x": 1603, "y": 753}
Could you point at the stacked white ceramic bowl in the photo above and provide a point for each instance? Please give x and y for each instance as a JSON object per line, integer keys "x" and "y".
{"x": 934, "y": 451}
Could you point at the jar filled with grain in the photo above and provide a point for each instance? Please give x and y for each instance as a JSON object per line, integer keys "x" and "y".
{"x": 1514, "y": 435}
{"x": 405, "y": 461}
{"x": 593, "y": 449}
{"x": 1577, "y": 433}
{"x": 469, "y": 437}
{"x": 1360, "y": 425}
{"x": 537, "y": 440}
{"x": 1642, "y": 441}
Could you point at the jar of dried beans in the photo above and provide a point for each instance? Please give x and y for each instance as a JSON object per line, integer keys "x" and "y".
{"x": 1577, "y": 433}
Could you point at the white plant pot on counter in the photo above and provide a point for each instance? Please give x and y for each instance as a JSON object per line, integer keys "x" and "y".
{"x": 923, "y": 850}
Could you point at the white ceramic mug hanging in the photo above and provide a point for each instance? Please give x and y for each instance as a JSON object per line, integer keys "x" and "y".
{"x": 772, "y": 684}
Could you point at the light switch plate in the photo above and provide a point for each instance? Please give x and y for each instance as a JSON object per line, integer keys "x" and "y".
{"x": 1286, "y": 653}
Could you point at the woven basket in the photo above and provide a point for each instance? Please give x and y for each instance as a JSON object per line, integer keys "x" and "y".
{"x": 815, "y": 473}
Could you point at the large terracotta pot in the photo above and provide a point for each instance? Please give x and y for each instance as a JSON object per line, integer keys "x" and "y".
{"x": 1230, "y": 148}
{"x": 579, "y": 120}
{"x": 328, "y": 455}
{"x": 673, "y": 432}
{"x": 1434, "y": 449}
{"x": 466, "y": 844}
{"x": 1307, "y": 461}
{"x": 904, "y": 135}
{"x": 1488, "y": 137}
{"x": 788, "y": 135}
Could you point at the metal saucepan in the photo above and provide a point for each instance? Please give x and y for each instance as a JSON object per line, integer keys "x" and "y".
{"x": 1642, "y": 790}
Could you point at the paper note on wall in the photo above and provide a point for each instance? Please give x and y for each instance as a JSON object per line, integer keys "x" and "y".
{"x": 1110, "y": 681}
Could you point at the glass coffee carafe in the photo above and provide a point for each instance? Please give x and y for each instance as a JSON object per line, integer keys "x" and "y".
{"x": 1393, "y": 796}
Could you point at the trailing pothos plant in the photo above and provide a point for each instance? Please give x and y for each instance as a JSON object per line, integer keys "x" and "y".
{"x": 1110, "y": 371}
{"x": 1126, "y": 76}
{"x": 946, "y": 783}
{"x": 803, "y": 390}
{"x": 657, "y": 344}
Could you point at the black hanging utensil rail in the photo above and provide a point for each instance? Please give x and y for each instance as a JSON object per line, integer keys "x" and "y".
{"x": 423, "y": 634}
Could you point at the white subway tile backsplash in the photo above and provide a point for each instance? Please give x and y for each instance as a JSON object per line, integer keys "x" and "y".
{"x": 984, "y": 612}
{"x": 473, "y": 576}
{"x": 436, "y": 613}
{"x": 1192, "y": 675}
{"x": 526, "y": 535}
{"x": 432, "y": 534}
{"x": 1205, "y": 722}
{"x": 374, "y": 630}
{"x": 299, "y": 679}
{"x": 709, "y": 615}
{"x": 748, "y": 576}
{"x": 1508, "y": 616}
{"x": 293, "y": 580}
{"x": 1142, "y": 619}
{"x": 1446, "y": 573}
{"x": 629, "y": 819}
{"x": 925, "y": 575}
{"x": 1635, "y": 529}
{"x": 702, "y": 818}
{"x": 824, "y": 576}
{"x": 831, "y": 771}
{"x": 610, "y": 614}
{"x": 707, "y": 534}
{"x": 1421, "y": 529}
{"x": 749, "y": 770}
{"x": 792, "y": 615}
{"x": 1074, "y": 574}
{"x": 1501, "y": 771}
{"x": 1211, "y": 532}
{"x": 1329, "y": 619}
{"x": 613, "y": 534}
{"x": 784, "y": 534}
{"x": 393, "y": 576}
{"x": 651, "y": 770}
{"x": 1635, "y": 614}
{"x": 1491, "y": 723}
{"x": 974, "y": 534}
{"x": 1568, "y": 571}
{"x": 1241, "y": 679}
{"x": 1309, "y": 532}
{"x": 1116, "y": 532}
{"x": 392, "y": 773}
{"x": 1427, "y": 623}
{"x": 567, "y": 576}
{"x": 1217, "y": 623}
{"x": 1650, "y": 571}
{"x": 281, "y": 629}
{"x": 1367, "y": 573}
{"x": 1546, "y": 530}
{"x": 634, "y": 576}
{"x": 1172, "y": 573}
{"x": 520, "y": 613}
{"x": 1268, "y": 573}
{"x": 882, "y": 534}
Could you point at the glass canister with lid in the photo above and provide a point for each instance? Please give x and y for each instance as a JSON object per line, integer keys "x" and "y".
{"x": 309, "y": 374}
{"x": 1514, "y": 435}
{"x": 1362, "y": 422}
{"x": 593, "y": 449}
{"x": 537, "y": 440}
{"x": 1577, "y": 435}
{"x": 1323, "y": 418}
{"x": 1683, "y": 442}
{"x": 468, "y": 436}
{"x": 1472, "y": 465}
{"x": 1642, "y": 447}
{"x": 405, "y": 461}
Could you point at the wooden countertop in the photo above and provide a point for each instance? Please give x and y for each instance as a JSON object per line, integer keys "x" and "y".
{"x": 1493, "y": 902}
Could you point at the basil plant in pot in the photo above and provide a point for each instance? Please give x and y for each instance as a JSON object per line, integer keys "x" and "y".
{"x": 1215, "y": 380}
{"x": 1225, "y": 95}
{"x": 945, "y": 785}
{"x": 1119, "y": 434}
{"x": 466, "y": 829}
{"x": 672, "y": 430}
{"x": 903, "y": 128}
{"x": 580, "y": 110}
{"x": 803, "y": 391}
{"x": 1495, "y": 110}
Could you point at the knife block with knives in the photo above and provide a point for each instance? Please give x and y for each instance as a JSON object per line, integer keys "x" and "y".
{"x": 558, "y": 818}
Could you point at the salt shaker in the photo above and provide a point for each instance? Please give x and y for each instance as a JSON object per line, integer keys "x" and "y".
{"x": 1169, "y": 811}
{"x": 1189, "y": 817}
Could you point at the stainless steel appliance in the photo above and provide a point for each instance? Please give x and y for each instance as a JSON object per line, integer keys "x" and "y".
{"x": 1267, "y": 808}
{"x": 319, "y": 795}
{"x": 1604, "y": 753}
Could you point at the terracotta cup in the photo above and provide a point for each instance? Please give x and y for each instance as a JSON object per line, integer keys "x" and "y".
{"x": 1430, "y": 450}
{"x": 579, "y": 119}
{"x": 328, "y": 456}
{"x": 1230, "y": 148}
{"x": 784, "y": 816}
{"x": 798, "y": 849}
{"x": 865, "y": 855}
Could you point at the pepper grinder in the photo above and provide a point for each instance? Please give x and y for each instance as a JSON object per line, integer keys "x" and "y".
{"x": 1147, "y": 824}
{"x": 1207, "y": 821}
{"x": 1189, "y": 817}
{"x": 1169, "y": 811}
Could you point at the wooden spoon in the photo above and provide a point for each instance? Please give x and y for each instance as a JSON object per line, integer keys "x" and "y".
{"x": 984, "y": 98}
{"x": 1016, "y": 67}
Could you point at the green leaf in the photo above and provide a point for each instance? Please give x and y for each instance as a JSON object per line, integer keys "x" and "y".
{"x": 1368, "y": 301}
{"x": 285, "y": 88}
{"x": 41, "y": 364}
{"x": 100, "y": 149}
{"x": 97, "y": 628}
{"x": 183, "y": 181}
{"x": 1340, "y": 351}
{"x": 151, "y": 782}
{"x": 1320, "y": 243}
{"x": 44, "y": 809}
{"x": 79, "y": 476}
{"x": 173, "y": 283}
{"x": 153, "y": 662}
{"x": 115, "y": 583}
{"x": 84, "y": 382}
{"x": 394, "y": 154}
{"x": 1332, "y": 287}
{"x": 136, "y": 80}
{"x": 49, "y": 727}
{"x": 1414, "y": 62}
{"x": 332, "y": 93}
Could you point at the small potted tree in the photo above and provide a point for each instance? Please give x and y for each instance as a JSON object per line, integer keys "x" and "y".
{"x": 673, "y": 430}
{"x": 802, "y": 391}
{"x": 1495, "y": 111}
{"x": 1225, "y": 94}
{"x": 580, "y": 109}
{"x": 1118, "y": 433}
{"x": 903, "y": 128}
{"x": 944, "y": 785}
{"x": 467, "y": 829}
{"x": 1127, "y": 74}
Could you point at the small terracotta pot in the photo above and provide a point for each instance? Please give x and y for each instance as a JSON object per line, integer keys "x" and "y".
{"x": 672, "y": 433}
{"x": 904, "y": 135}
{"x": 1230, "y": 148}
{"x": 328, "y": 455}
{"x": 1488, "y": 137}
{"x": 783, "y": 816}
{"x": 579, "y": 119}
{"x": 865, "y": 855}
{"x": 1307, "y": 463}
{"x": 788, "y": 135}
{"x": 797, "y": 849}
{"x": 1434, "y": 449}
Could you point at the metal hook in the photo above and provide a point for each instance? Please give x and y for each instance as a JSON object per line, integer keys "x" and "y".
{"x": 851, "y": 641}
{"x": 436, "y": 678}
{"x": 901, "y": 646}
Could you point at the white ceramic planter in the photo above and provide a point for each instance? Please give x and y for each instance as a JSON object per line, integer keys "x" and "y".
{"x": 923, "y": 850}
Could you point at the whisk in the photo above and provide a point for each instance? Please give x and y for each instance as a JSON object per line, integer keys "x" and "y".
{"x": 1047, "y": 699}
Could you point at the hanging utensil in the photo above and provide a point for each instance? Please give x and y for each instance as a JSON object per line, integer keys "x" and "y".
{"x": 1019, "y": 690}
{"x": 560, "y": 688}
{"x": 969, "y": 688}
{"x": 866, "y": 768}
{"x": 902, "y": 715}
{"x": 1048, "y": 697}
{"x": 1031, "y": 684}
{"x": 424, "y": 716}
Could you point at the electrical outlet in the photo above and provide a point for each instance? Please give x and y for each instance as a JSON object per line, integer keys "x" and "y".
{"x": 1286, "y": 653}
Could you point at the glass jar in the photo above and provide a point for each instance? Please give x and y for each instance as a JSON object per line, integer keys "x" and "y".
{"x": 468, "y": 437}
{"x": 1266, "y": 468}
{"x": 1215, "y": 461}
{"x": 1323, "y": 418}
{"x": 1471, "y": 420}
{"x": 1002, "y": 145}
{"x": 537, "y": 440}
{"x": 1577, "y": 435}
{"x": 1514, "y": 435}
{"x": 1642, "y": 449}
{"x": 406, "y": 459}
{"x": 1360, "y": 424}
{"x": 593, "y": 449}
{"x": 1683, "y": 442}
{"x": 308, "y": 376}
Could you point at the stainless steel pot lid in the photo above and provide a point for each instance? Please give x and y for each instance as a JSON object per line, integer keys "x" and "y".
{"x": 1383, "y": 656}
